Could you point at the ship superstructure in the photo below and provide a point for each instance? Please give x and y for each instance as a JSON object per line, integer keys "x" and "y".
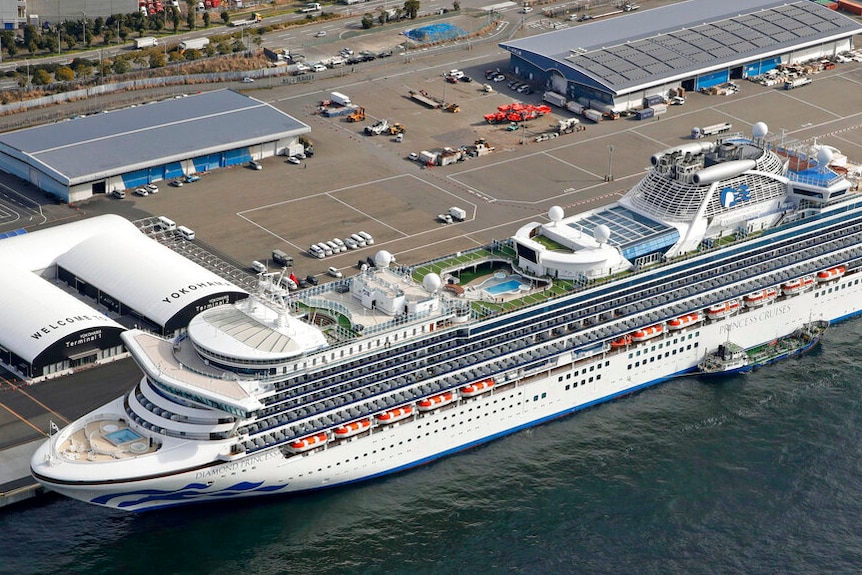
{"x": 288, "y": 392}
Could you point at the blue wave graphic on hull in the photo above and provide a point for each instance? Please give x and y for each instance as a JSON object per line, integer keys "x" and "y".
{"x": 187, "y": 493}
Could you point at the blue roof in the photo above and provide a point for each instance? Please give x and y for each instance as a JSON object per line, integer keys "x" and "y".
{"x": 120, "y": 141}
{"x": 626, "y": 53}
{"x": 635, "y": 235}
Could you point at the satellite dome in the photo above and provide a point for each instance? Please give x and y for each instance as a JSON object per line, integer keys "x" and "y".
{"x": 431, "y": 282}
{"x": 759, "y": 130}
{"x": 602, "y": 233}
{"x": 824, "y": 156}
{"x": 382, "y": 259}
{"x": 556, "y": 213}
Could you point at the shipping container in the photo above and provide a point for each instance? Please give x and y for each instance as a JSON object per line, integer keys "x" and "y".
{"x": 645, "y": 114}
{"x": 593, "y": 115}
{"x": 659, "y": 109}
{"x": 852, "y": 7}
{"x": 653, "y": 99}
{"x": 574, "y": 107}
{"x": 555, "y": 99}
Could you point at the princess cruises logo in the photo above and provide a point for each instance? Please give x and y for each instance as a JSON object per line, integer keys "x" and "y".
{"x": 732, "y": 196}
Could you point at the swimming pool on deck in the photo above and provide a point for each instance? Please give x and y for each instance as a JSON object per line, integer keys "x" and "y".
{"x": 501, "y": 284}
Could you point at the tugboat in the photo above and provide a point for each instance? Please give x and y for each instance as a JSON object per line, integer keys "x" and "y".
{"x": 729, "y": 358}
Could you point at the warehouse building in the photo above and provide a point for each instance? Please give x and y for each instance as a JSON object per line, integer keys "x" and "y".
{"x": 69, "y": 291}
{"x": 129, "y": 148}
{"x": 617, "y": 62}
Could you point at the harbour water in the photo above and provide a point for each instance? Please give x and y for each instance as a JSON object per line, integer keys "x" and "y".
{"x": 757, "y": 473}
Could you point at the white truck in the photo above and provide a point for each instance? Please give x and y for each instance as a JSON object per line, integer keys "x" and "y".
{"x": 378, "y": 128}
{"x": 697, "y": 133}
{"x": 253, "y": 19}
{"x": 568, "y": 125}
{"x": 145, "y": 42}
{"x": 593, "y": 115}
{"x": 797, "y": 82}
{"x": 339, "y": 98}
{"x": 312, "y": 7}
{"x": 554, "y": 99}
{"x": 457, "y": 213}
{"x": 194, "y": 44}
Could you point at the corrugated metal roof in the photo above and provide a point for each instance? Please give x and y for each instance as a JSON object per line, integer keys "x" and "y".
{"x": 124, "y": 140}
{"x": 680, "y": 40}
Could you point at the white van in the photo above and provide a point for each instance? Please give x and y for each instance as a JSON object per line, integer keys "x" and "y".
{"x": 119, "y": 194}
{"x": 360, "y": 241}
{"x": 326, "y": 249}
{"x": 369, "y": 241}
{"x": 334, "y": 247}
{"x": 258, "y": 267}
{"x": 167, "y": 224}
{"x": 186, "y": 233}
{"x": 340, "y": 243}
{"x": 315, "y": 251}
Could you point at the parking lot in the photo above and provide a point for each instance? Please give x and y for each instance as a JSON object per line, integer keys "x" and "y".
{"x": 358, "y": 182}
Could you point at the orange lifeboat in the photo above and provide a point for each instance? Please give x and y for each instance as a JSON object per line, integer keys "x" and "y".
{"x": 648, "y": 332}
{"x": 831, "y": 274}
{"x": 352, "y": 428}
{"x": 760, "y": 297}
{"x": 431, "y": 403}
{"x": 623, "y": 341}
{"x": 683, "y": 321}
{"x": 797, "y": 286}
{"x": 723, "y": 309}
{"x": 393, "y": 415}
{"x": 310, "y": 442}
{"x": 473, "y": 389}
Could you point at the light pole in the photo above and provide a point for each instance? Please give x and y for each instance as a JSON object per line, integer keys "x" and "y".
{"x": 84, "y": 24}
{"x": 610, "y": 177}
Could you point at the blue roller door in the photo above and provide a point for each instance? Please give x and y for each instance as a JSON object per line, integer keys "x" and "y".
{"x": 136, "y": 179}
{"x": 174, "y": 170}
{"x": 714, "y": 79}
{"x": 206, "y": 163}
{"x": 237, "y": 157}
{"x": 157, "y": 173}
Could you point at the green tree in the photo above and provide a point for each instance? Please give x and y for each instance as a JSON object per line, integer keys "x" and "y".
{"x": 368, "y": 21}
{"x": 175, "y": 18}
{"x": 157, "y": 60}
{"x": 411, "y": 8}
{"x": 41, "y": 77}
{"x": 121, "y": 66}
{"x": 383, "y": 17}
{"x": 456, "y": 6}
{"x": 190, "y": 20}
{"x": 98, "y": 26}
{"x": 206, "y": 19}
{"x": 64, "y": 74}
{"x": 225, "y": 17}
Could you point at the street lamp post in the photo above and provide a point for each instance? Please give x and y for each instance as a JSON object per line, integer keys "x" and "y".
{"x": 610, "y": 176}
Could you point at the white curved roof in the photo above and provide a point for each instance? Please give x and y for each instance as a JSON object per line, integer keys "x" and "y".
{"x": 145, "y": 275}
{"x": 36, "y": 314}
{"x": 38, "y": 250}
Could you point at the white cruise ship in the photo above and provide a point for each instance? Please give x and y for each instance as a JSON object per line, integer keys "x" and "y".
{"x": 737, "y": 240}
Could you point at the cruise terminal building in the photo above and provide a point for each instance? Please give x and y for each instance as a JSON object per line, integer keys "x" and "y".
{"x": 70, "y": 291}
{"x": 616, "y": 62}
{"x": 128, "y": 148}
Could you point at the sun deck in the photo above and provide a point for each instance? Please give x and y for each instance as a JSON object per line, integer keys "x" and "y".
{"x": 105, "y": 440}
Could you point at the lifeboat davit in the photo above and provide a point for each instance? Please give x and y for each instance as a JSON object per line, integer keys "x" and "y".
{"x": 393, "y": 415}
{"x": 648, "y": 332}
{"x": 473, "y": 389}
{"x": 431, "y": 403}
{"x": 831, "y": 274}
{"x": 723, "y": 309}
{"x": 310, "y": 442}
{"x": 623, "y": 341}
{"x": 797, "y": 286}
{"x": 683, "y": 321}
{"x": 352, "y": 428}
{"x": 760, "y": 297}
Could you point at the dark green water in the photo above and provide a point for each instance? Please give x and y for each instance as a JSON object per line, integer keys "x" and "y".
{"x": 751, "y": 474}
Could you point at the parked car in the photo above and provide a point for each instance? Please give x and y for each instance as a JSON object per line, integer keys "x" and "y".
{"x": 498, "y": 78}
{"x": 311, "y": 279}
{"x": 152, "y": 188}
{"x": 320, "y": 34}
{"x": 466, "y": 79}
{"x": 142, "y": 192}
{"x": 318, "y": 68}
{"x": 334, "y": 272}
{"x": 384, "y": 54}
{"x": 350, "y": 243}
{"x": 293, "y": 160}
{"x": 413, "y": 156}
{"x": 452, "y": 79}
{"x": 255, "y": 165}
{"x": 177, "y": 183}
{"x": 191, "y": 178}
{"x": 247, "y": 80}
{"x": 299, "y": 155}
{"x": 119, "y": 194}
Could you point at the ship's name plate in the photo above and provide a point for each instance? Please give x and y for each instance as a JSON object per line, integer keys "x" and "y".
{"x": 755, "y": 318}
{"x": 238, "y": 465}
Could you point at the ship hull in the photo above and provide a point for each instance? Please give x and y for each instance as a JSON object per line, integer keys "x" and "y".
{"x": 568, "y": 385}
